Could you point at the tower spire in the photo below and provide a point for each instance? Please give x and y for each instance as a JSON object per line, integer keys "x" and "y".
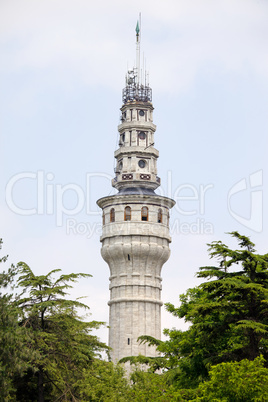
{"x": 135, "y": 88}
{"x": 138, "y": 52}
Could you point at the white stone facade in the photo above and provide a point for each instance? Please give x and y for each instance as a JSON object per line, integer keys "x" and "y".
{"x": 135, "y": 251}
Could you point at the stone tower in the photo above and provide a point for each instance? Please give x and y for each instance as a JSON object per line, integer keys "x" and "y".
{"x": 135, "y": 237}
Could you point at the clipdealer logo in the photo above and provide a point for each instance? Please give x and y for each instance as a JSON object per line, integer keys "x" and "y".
{"x": 253, "y": 195}
{"x": 50, "y": 198}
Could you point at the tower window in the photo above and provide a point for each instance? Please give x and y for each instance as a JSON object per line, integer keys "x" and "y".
{"x": 128, "y": 341}
{"x": 141, "y": 113}
{"x": 159, "y": 216}
{"x": 123, "y": 137}
{"x": 142, "y": 163}
{"x": 112, "y": 215}
{"x": 142, "y": 135}
{"x": 168, "y": 219}
{"x": 144, "y": 214}
{"x": 128, "y": 257}
{"x": 103, "y": 218}
{"x": 127, "y": 214}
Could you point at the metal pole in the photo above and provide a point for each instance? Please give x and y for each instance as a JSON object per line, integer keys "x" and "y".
{"x": 138, "y": 52}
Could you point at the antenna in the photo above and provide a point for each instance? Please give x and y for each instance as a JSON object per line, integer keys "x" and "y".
{"x": 143, "y": 70}
{"x": 137, "y": 79}
{"x": 138, "y": 49}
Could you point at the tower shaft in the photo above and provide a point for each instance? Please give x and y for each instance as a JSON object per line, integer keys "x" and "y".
{"x": 135, "y": 251}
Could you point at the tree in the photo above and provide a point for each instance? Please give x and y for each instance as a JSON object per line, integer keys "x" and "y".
{"x": 147, "y": 386}
{"x": 238, "y": 381}
{"x": 228, "y": 315}
{"x": 103, "y": 381}
{"x": 15, "y": 355}
{"x": 62, "y": 343}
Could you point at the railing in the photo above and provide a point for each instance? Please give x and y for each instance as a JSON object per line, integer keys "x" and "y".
{"x": 137, "y": 92}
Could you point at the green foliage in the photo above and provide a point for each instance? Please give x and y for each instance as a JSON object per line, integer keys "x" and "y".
{"x": 62, "y": 340}
{"x": 236, "y": 382}
{"x": 147, "y": 387}
{"x": 15, "y": 355}
{"x": 45, "y": 347}
{"x": 103, "y": 381}
{"x": 47, "y": 351}
{"x": 227, "y": 313}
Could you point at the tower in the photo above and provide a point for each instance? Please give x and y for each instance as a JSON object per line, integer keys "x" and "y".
{"x": 135, "y": 236}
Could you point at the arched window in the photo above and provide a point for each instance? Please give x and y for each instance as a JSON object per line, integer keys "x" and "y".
{"x": 159, "y": 216}
{"x": 112, "y": 215}
{"x": 103, "y": 218}
{"x": 144, "y": 214}
{"x": 127, "y": 214}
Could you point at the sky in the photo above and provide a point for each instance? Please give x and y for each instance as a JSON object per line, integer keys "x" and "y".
{"x": 62, "y": 71}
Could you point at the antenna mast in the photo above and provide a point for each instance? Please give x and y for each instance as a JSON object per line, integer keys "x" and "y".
{"x": 135, "y": 90}
{"x": 138, "y": 50}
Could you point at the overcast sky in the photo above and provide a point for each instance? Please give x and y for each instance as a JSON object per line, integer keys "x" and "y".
{"x": 62, "y": 71}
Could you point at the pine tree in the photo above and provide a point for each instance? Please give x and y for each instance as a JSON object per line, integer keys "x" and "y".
{"x": 228, "y": 313}
{"x": 15, "y": 355}
{"x": 228, "y": 316}
{"x": 62, "y": 344}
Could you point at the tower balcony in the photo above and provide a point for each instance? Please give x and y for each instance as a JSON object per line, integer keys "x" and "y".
{"x": 136, "y": 125}
{"x": 147, "y": 180}
{"x": 134, "y": 150}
